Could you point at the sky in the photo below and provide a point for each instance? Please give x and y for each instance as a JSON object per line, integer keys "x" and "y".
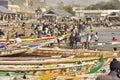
{"x": 79, "y": 2}
{"x": 67, "y": 2}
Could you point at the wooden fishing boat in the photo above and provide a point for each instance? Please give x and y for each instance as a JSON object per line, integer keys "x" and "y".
{"x": 36, "y": 46}
{"x": 69, "y": 68}
{"x": 47, "y": 65}
{"x": 45, "y": 61}
{"x": 70, "y": 52}
{"x": 25, "y": 58}
{"x": 105, "y": 47}
{"x": 29, "y": 39}
{"x": 12, "y": 52}
{"x": 13, "y": 49}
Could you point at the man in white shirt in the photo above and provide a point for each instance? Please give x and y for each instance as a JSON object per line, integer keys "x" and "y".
{"x": 18, "y": 40}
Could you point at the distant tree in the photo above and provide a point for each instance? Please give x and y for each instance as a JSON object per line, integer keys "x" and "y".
{"x": 69, "y": 9}
{"x": 38, "y": 12}
{"x": 116, "y": 3}
{"x": 112, "y": 4}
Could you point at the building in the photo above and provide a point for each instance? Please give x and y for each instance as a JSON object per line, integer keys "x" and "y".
{"x": 78, "y": 7}
{"x": 27, "y": 7}
{"x": 93, "y": 13}
{"x": 57, "y": 13}
{"x": 5, "y": 14}
{"x": 4, "y": 3}
{"x": 14, "y": 8}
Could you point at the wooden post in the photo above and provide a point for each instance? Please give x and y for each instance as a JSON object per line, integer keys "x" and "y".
{"x": 87, "y": 42}
{"x": 7, "y": 36}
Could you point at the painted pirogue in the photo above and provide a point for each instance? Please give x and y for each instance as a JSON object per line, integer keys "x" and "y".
{"x": 63, "y": 66}
{"x": 32, "y": 44}
{"x": 29, "y": 39}
{"x": 30, "y": 64}
{"x": 27, "y": 46}
{"x": 70, "y": 52}
{"x": 11, "y": 50}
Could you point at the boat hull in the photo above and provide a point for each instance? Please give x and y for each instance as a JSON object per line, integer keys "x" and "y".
{"x": 12, "y": 52}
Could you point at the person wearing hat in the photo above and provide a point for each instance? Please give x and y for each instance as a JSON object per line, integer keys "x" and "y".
{"x": 114, "y": 73}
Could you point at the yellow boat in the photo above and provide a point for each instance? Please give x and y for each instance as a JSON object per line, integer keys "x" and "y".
{"x": 29, "y": 39}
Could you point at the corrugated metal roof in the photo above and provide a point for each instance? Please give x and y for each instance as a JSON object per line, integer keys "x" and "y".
{"x": 5, "y": 10}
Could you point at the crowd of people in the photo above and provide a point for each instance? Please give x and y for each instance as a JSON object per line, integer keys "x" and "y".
{"x": 58, "y": 27}
{"x": 53, "y": 27}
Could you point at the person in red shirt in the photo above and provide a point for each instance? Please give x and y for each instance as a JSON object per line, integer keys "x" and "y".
{"x": 114, "y": 39}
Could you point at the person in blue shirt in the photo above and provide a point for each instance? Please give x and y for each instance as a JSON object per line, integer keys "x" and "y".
{"x": 39, "y": 34}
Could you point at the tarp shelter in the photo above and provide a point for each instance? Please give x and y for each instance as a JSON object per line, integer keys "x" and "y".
{"x": 4, "y": 10}
{"x": 59, "y": 12}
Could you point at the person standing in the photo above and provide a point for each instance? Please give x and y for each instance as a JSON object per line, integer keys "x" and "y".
{"x": 18, "y": 41}
{"x": 77, "y": 40}
{"x": 71, "y": 38}
{"x": 96, "y": 37}
{"x": 1, "y": 34}
{"x": 58, "y": 39}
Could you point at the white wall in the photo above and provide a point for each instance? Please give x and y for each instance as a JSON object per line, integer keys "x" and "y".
{"x": 83, "y": 13}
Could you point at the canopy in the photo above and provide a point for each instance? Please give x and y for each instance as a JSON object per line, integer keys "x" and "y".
{"x": 4, "y": 10}
{"x": 59, "y": 12}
